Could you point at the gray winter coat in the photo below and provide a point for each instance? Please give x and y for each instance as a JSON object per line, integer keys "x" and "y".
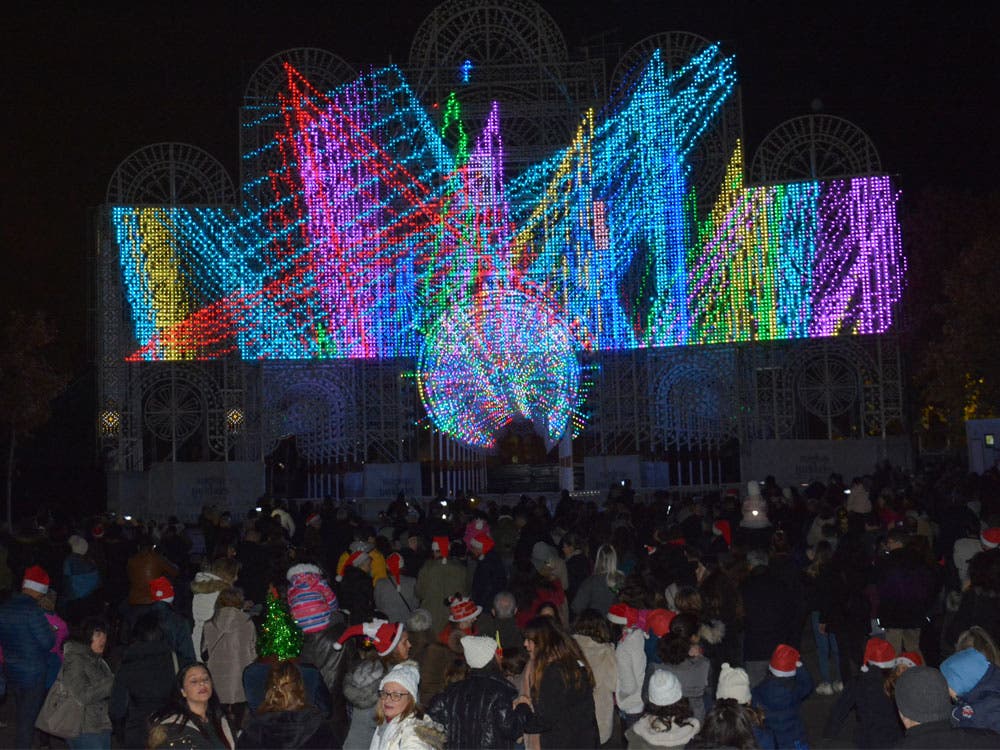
{"x": 88, "y": 677}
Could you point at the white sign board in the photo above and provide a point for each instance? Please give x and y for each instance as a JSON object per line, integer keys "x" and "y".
{"x": 801, "y": 461}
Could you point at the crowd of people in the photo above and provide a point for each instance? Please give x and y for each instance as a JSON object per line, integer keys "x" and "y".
{"x": 550, "y": 623}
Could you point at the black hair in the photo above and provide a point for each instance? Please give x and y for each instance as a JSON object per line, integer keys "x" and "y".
{"x": 147, "y": 628}
{"x": 83, "y": 632}
{"x": 170, "y": 720}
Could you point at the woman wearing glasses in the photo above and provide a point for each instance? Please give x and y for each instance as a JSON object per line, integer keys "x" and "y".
{"x": 400, "y": 724}
{"x": 194, "y": 716}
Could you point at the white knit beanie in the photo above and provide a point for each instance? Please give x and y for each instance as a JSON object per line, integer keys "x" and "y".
{"x": 664, "y": 688}
{"x": 406, "y": 674}
{"x": 478, "y": 650}
{"x": 735, "y": 684}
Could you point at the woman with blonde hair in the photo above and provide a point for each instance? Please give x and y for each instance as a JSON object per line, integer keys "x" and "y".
{"x": 560, "y": 702}
{"x": 400, "y": 723}
{"x": 285, "y": 718}
{"x": 600, "y": 590}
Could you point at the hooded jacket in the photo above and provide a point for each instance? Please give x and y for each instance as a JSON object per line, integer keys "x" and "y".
{"x": 306, "y": 728}
{"x": 980, "y": 707}
{"x": 477, "y": 712}
{"x": 205, "y": 589}
{"x": 878, "y": 721}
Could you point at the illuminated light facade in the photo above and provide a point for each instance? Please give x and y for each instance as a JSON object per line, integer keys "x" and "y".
{"x": 378, "y": 229}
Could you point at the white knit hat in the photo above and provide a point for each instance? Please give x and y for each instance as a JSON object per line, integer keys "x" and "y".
{"x": 735, "y": 684}
{"x": 478, "y": 650}
{"x": 406, "y": 674}
{"x": 664, "y": 688}
{"x": 78, "y": 544}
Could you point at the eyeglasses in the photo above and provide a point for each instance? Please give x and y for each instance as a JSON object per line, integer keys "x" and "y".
{"x": 394, "y": 697}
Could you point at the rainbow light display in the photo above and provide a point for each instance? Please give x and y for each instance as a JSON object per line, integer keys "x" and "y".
{"x": 385, "y": 235}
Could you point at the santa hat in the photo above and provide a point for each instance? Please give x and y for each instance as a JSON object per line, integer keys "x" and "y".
{"x": 406, "y": 674}
{"x": 354, "y": 559}
{"x": 462, "y": 608}
{"x": 98, "y": 531}
{"x": 440, "y": 544}
{"x": 784, "y": 661}
{"x": 722, "y": 528}
{"x": 659, "y": 621}
{"x": 479, "y": 650}
{"x": 622, "y": 614}
{"x": 473, "y": 528}
{"x": 161, "y": 590}
{"x": 36, "y": 579}
{"x": 879, "y": 653}
{"x": 384, "y": 636}
{"x": 481, "y": 543}
{"x": 394, "y": 564}
{"x": 909, "y": 659}
{"x": 313, "y": 519}
{"x": 664, "y": 688}
{"x": 990, "y": 538}
{"x": 734, "y": 683}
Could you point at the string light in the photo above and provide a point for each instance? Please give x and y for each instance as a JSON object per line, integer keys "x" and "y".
{"x": 384, "y": 235}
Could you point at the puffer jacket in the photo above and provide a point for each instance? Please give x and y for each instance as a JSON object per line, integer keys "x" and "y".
{"x": 980, "y": 709}
{"x": 143, "y": 684}
{"x": 478, "y": 711}
{"x": 26, "y": 638}
{"x": 306, "y": 729}
{"x": 411, "y": 733}
{"x": 205, "y": 589}
{"x": 318, "y": 650}
{"x": 781, "y": 698}
{"x": 89, "y": 679}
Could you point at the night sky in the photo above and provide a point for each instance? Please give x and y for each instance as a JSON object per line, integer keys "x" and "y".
{"x": 85, "y": 84}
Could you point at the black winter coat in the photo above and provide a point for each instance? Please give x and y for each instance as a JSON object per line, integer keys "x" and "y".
{"x": 563, "y": 716}
{"x": 477, "y": 712}
{"x": 143, "y": 685}
{"x": 318, "y": 650}
{"x": 767, "y": 604}
{"x": 907, "y": 587}
{"x": 356, "y": 594}
{"x": 306, "y": 728}
{"x": 878, "y": 722}
{"x": 489, "y": 580}
{"x": 940, "y": 734}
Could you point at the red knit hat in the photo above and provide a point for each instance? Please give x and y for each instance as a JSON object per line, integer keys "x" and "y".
{"x": 36, "y": 579}
{"x": 990, "y": 538}
{"x": 440, "y": 544}
{"x": 910, "y": 659}
{"x": 784, "y": 661}
{"x": 384, "y": 636}
{"x": 394, "y": 564}
{"x": 722, "y": 528}
{"x": 355, "y": 558}
{"x": 659, "y": 621}
{"x": 161, "y": 589}
{"x": 622, "y": 614}
{"x": 462, "y": 608}
{"x": 482, "y": 543}
{"x": 879, "y": 653}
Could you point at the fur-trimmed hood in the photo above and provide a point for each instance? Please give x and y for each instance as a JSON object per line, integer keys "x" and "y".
{"x": 712, "y": 632}
{"x": 208, "y": 583}
{"x": 677, "y": 736}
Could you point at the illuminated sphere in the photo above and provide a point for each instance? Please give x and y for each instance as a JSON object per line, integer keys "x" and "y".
{"x": 495, "y": 357}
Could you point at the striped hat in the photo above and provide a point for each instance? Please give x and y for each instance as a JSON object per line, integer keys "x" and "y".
{"x": 310, "y": 598}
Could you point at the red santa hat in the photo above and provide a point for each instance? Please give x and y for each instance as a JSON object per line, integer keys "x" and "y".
{"x": 722, "y": 528}
{"x": 784, "y": 661}
{"x": 384, "y": 636}
{"x": 462, "y": 608}
{"x": 98, "y": 531}
{"x": 622, "y": 614}
{"x": 313, "y": 519}
{"x": 481, "y": 543}
{"x": 355, "y": 559}
{"x": 36, "y": 579}
{"x": 161, "y": 589}
{"x": 990, "y": 538}
{"x": 659, "y": 621}
{"x": 910, "y": 659}
{"x": 879, "y": 653}
{"x": 394, "y": 564}
{"x": 440, "y": 544}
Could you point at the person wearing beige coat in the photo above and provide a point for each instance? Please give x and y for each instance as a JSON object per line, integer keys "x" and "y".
{"x": 231, "y": 642}
{"x": 591, "y": 632}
